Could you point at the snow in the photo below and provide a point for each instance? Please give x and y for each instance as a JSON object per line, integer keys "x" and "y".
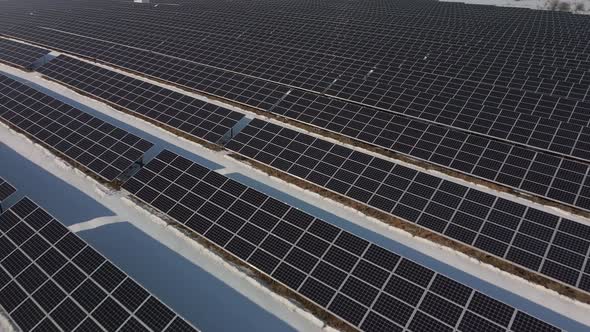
{"x": 531, "y": 4}
{"x": 199, "y": 285}
{"x": 5, "y": 324}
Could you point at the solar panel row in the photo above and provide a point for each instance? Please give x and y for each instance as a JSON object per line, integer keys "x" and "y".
{"x": 72, "y": 44}
{"x": 565, "y": 190}
{"x": 551, "y": 135}
{"x": 246, "y": 57}
{"x": 97, "y": 28}
{"x": 192, "y": 116}
{"x": 265, "y": 61}
{"x": 369, "y": 287}
{"x": 537, "y": 240}
{"x": 552, "y": 177}
{"x": 471, "y": 115}
{"x": 52, "y": 280}
{"x": 246, "y": 90}
{"x": 6, "y": 189}
{"x": 509, "y": 98}
{"x": 317, "y": 44}
{"x": 547, "y": 104}
{"x": 498, "y": 41}
{"x": 476, "y": 230}
{"x": 546, "y": 175}
{"x": 19, "y": 54}
{"x": 255, "y": 58}
{"x": 105, "y": 150}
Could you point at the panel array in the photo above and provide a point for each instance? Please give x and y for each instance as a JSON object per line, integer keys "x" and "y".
{"x": 546, "y": 175}
{"x": 52, "y": 280}
{"x": 100, "y": 147}
{"x": 250, "y": 91}
{"x": 243, "y": 89}
{"x": 6, "y": 189}
{"x": 19, "y": 54}
{"x": 257, "y": 56}
{"x": 471, "y": 115}
{"x": 367, "y": 286}
{"x": 187, "y": 114}
{"x": 72, "y": 44}
{"x": 433, "y": 106}
{"x": 513, "y": 98}
{"x": 511, "y": 74}
{"x": 539, "y": 241}
{"x": 551, "y": 177}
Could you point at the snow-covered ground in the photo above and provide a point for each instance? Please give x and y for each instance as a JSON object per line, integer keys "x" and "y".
{"x": 196, "y": 283}
{"x": 534, "y": 4}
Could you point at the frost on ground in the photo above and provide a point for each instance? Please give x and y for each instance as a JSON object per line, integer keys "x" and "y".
{"x": 574, "y": 6}
{"x": 5, "y": 323}
{"x": 206, "y": 290}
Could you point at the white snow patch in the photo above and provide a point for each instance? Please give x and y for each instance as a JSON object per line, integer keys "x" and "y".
{"x": 5, "y": 324}
{"x": 94, "y": 223}
{"x": 530, "y": 4}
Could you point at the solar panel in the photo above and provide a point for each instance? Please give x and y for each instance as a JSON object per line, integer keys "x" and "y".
{"x": 19, "y": 54}
{"x": 489, "y": 95}
{"x": 239, "y": 88}
{"x": 434, "y": 48}
{"x": 105, "y": 150}
{"x": 72, "y": 44}
{"x": 52, "y": 280}
{"x": 547, "y": 176}
{"x": 543, "y": 174}
{"x": 533, "y": 239}
{"x": 6, "y": 189}
{"x": 306, "y": 69}
{"x": 550, "y": 177}
{"x": 246, "y": 90}
{"x": 255, "y": 58}
{"x": 192, "y": 116}
{"x": 367, "y": 286}
{"x": 470, "y": 115}
{"x": 458, "y": 113}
